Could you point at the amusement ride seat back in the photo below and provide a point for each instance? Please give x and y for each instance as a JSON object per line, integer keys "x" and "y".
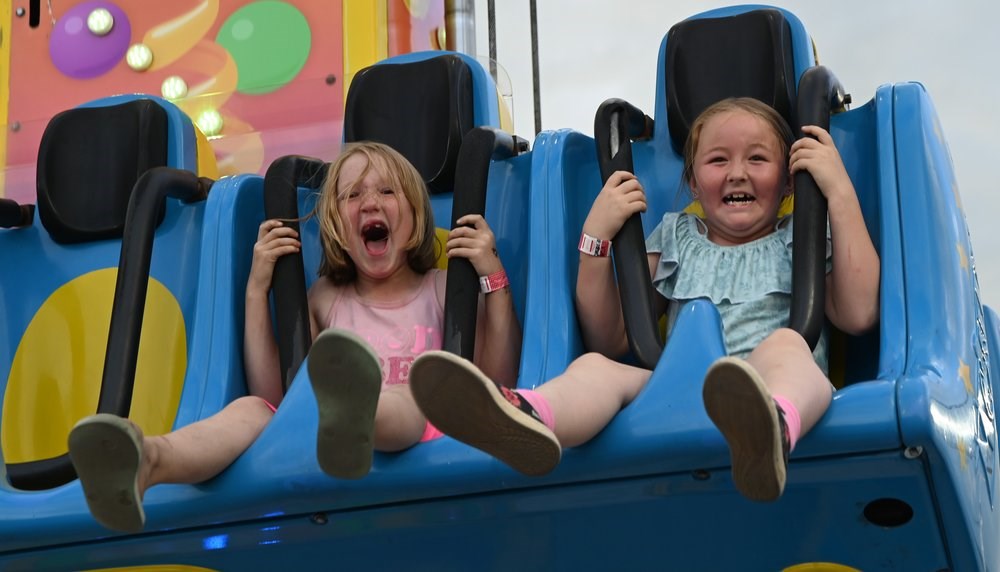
{"x": 57, "y": 335}
{"x": 434, "y": 109}
{"x": 743, "y": 55}
{"x": 83, "y": 196}
{"x": 703, "y": 60}
{"x": 422, "y": 109}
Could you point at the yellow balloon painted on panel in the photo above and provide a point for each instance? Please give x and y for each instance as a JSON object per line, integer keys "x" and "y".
{"x": 56, "y": 374}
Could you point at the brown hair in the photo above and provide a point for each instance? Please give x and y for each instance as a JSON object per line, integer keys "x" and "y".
{"x": 403, "y": 177}
{"x": 754, "y": 107}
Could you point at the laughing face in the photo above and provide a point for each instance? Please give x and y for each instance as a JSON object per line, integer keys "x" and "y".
{"x": 739, "y": 174}
{"x": 377, "y": 220}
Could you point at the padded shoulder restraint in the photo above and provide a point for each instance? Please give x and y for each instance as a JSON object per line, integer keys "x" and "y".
{"x": 88, "y": 161}
{"x": 421, "y": 109}
{"x": 744, "y": 55}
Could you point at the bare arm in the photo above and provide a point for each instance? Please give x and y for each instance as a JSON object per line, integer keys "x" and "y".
{"x": 498, "y": 332}
{"x": 260, "y": 351}
{"x": 598, "y": 304}
{"x": 852, "y": 300}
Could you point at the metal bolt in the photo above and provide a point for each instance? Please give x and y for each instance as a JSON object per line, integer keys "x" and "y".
{"x": 15, "y": 126}
{"x": 913, "y": 452}
{"x": 319, "y": 518}
{"x": 331, "y": 79}
{"x": 701, "y": 475}
{"x": 19, "y": 12}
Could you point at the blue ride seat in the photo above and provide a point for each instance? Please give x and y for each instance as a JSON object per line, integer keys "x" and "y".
{"x": 900, "y": 474}
{"x": 61, "y": 276}
{"x": 885, "y": 465}
{"x": 267, "y": 481}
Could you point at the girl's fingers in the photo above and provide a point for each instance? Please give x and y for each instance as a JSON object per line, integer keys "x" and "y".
{"x": 466, "y": 243}
{"x": 620, "y": 176}
{"x": 271, "y": 242}
{"x": 268, "y": 225}
{"x": 474, "y": 220}
{"x": 466, "y": 233}
{"x": 818, "y": 132}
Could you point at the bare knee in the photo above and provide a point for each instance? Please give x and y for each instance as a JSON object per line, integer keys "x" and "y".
{"x": 253, "y": 408}
{"x": 252, "y": 402}
{"x": 784, "y": 339}
{"x": 591, "y": 362}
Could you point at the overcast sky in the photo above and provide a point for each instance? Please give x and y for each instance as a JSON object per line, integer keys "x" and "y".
{"x": 950, "y": 47}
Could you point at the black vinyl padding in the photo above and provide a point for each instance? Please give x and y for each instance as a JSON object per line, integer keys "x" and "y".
{"x": 744, "y": 55}
{"x": 89, "y": 159}
{"x": 421, "y": 109}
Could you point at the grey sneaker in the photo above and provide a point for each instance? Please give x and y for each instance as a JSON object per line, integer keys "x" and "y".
{"x": 468, "y": 406}
{"x": 347, "y": 381}
{"x": 741, "y": 406}
{"x": 106, "y": 451}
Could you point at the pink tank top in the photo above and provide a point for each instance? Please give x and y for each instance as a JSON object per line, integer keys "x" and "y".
{"x": 398, "y": 331}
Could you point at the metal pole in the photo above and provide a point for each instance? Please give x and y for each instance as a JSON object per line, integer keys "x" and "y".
{"x": 491, "y": 13}
{"x": 534, "y": 68}
{"x": 460, "y": 26}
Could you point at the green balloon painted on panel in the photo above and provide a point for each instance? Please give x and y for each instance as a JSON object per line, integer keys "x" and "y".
{"x": 269, "y": 41}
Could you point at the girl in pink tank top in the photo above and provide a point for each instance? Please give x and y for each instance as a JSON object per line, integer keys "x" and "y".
{"x": 380, "y": 303}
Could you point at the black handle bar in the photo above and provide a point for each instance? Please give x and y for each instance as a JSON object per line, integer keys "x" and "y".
{"x": 617, "y": 123}
{"x": 480, "y": 146}
{"x": 819, "y": 94}
{"x": 291, "y": 305}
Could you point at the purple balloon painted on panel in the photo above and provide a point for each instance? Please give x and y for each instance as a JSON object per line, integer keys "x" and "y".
{"x": 79, "y": 53}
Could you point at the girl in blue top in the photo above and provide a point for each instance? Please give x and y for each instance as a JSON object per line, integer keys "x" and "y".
{"x": 738, "y": 162}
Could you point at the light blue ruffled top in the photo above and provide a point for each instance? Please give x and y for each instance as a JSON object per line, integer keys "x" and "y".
{"x": 750, "y": 284}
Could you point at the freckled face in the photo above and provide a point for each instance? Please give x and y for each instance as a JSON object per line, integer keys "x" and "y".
{"x": 740, "y": 177}
{"x": 378, "y": 219}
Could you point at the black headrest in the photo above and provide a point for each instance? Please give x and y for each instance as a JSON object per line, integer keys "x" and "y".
{"x": 744, "y": 55}
{"x": 88, "y": 161}
{"x": 421, "y": 109}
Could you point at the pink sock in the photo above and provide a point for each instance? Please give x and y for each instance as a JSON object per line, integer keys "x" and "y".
{"x": 792, "y": 419}
{"x": 540, "y": 405}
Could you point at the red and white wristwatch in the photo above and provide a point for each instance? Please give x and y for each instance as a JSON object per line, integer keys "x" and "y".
{"x": 594, "y": 246}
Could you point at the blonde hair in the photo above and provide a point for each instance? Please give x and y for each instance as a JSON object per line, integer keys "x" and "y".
{"x": 403, "y": 177}
{"x": 754, "y": 107}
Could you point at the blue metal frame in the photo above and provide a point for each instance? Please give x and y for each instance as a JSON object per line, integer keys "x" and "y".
{"x": 915, "y": 424}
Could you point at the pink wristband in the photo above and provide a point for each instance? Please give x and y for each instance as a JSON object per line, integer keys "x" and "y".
{"x": 594, "y": 246}
{"x": 494, "y": 281}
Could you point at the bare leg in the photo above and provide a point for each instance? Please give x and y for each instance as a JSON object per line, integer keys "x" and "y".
{"x": 739, "y": 398}
{"x": 201, "y": 450}
{"x": 116, "y": 464}
{"x": 787, "y": 367}
{"x": 399, "y": 424}
{"x": 591, "y": 391}
{"x": 466, "y": 405}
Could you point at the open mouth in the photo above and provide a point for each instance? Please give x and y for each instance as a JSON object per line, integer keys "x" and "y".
{"x": 375, "y": 235}
{"x": 738, "y": 199}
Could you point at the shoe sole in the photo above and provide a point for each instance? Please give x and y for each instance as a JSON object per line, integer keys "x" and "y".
{"x": 346, "y": 379}
{"x": 467, "y": 406}
{"x": 107, "y": 454}
{"x": 740, "y": 405}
